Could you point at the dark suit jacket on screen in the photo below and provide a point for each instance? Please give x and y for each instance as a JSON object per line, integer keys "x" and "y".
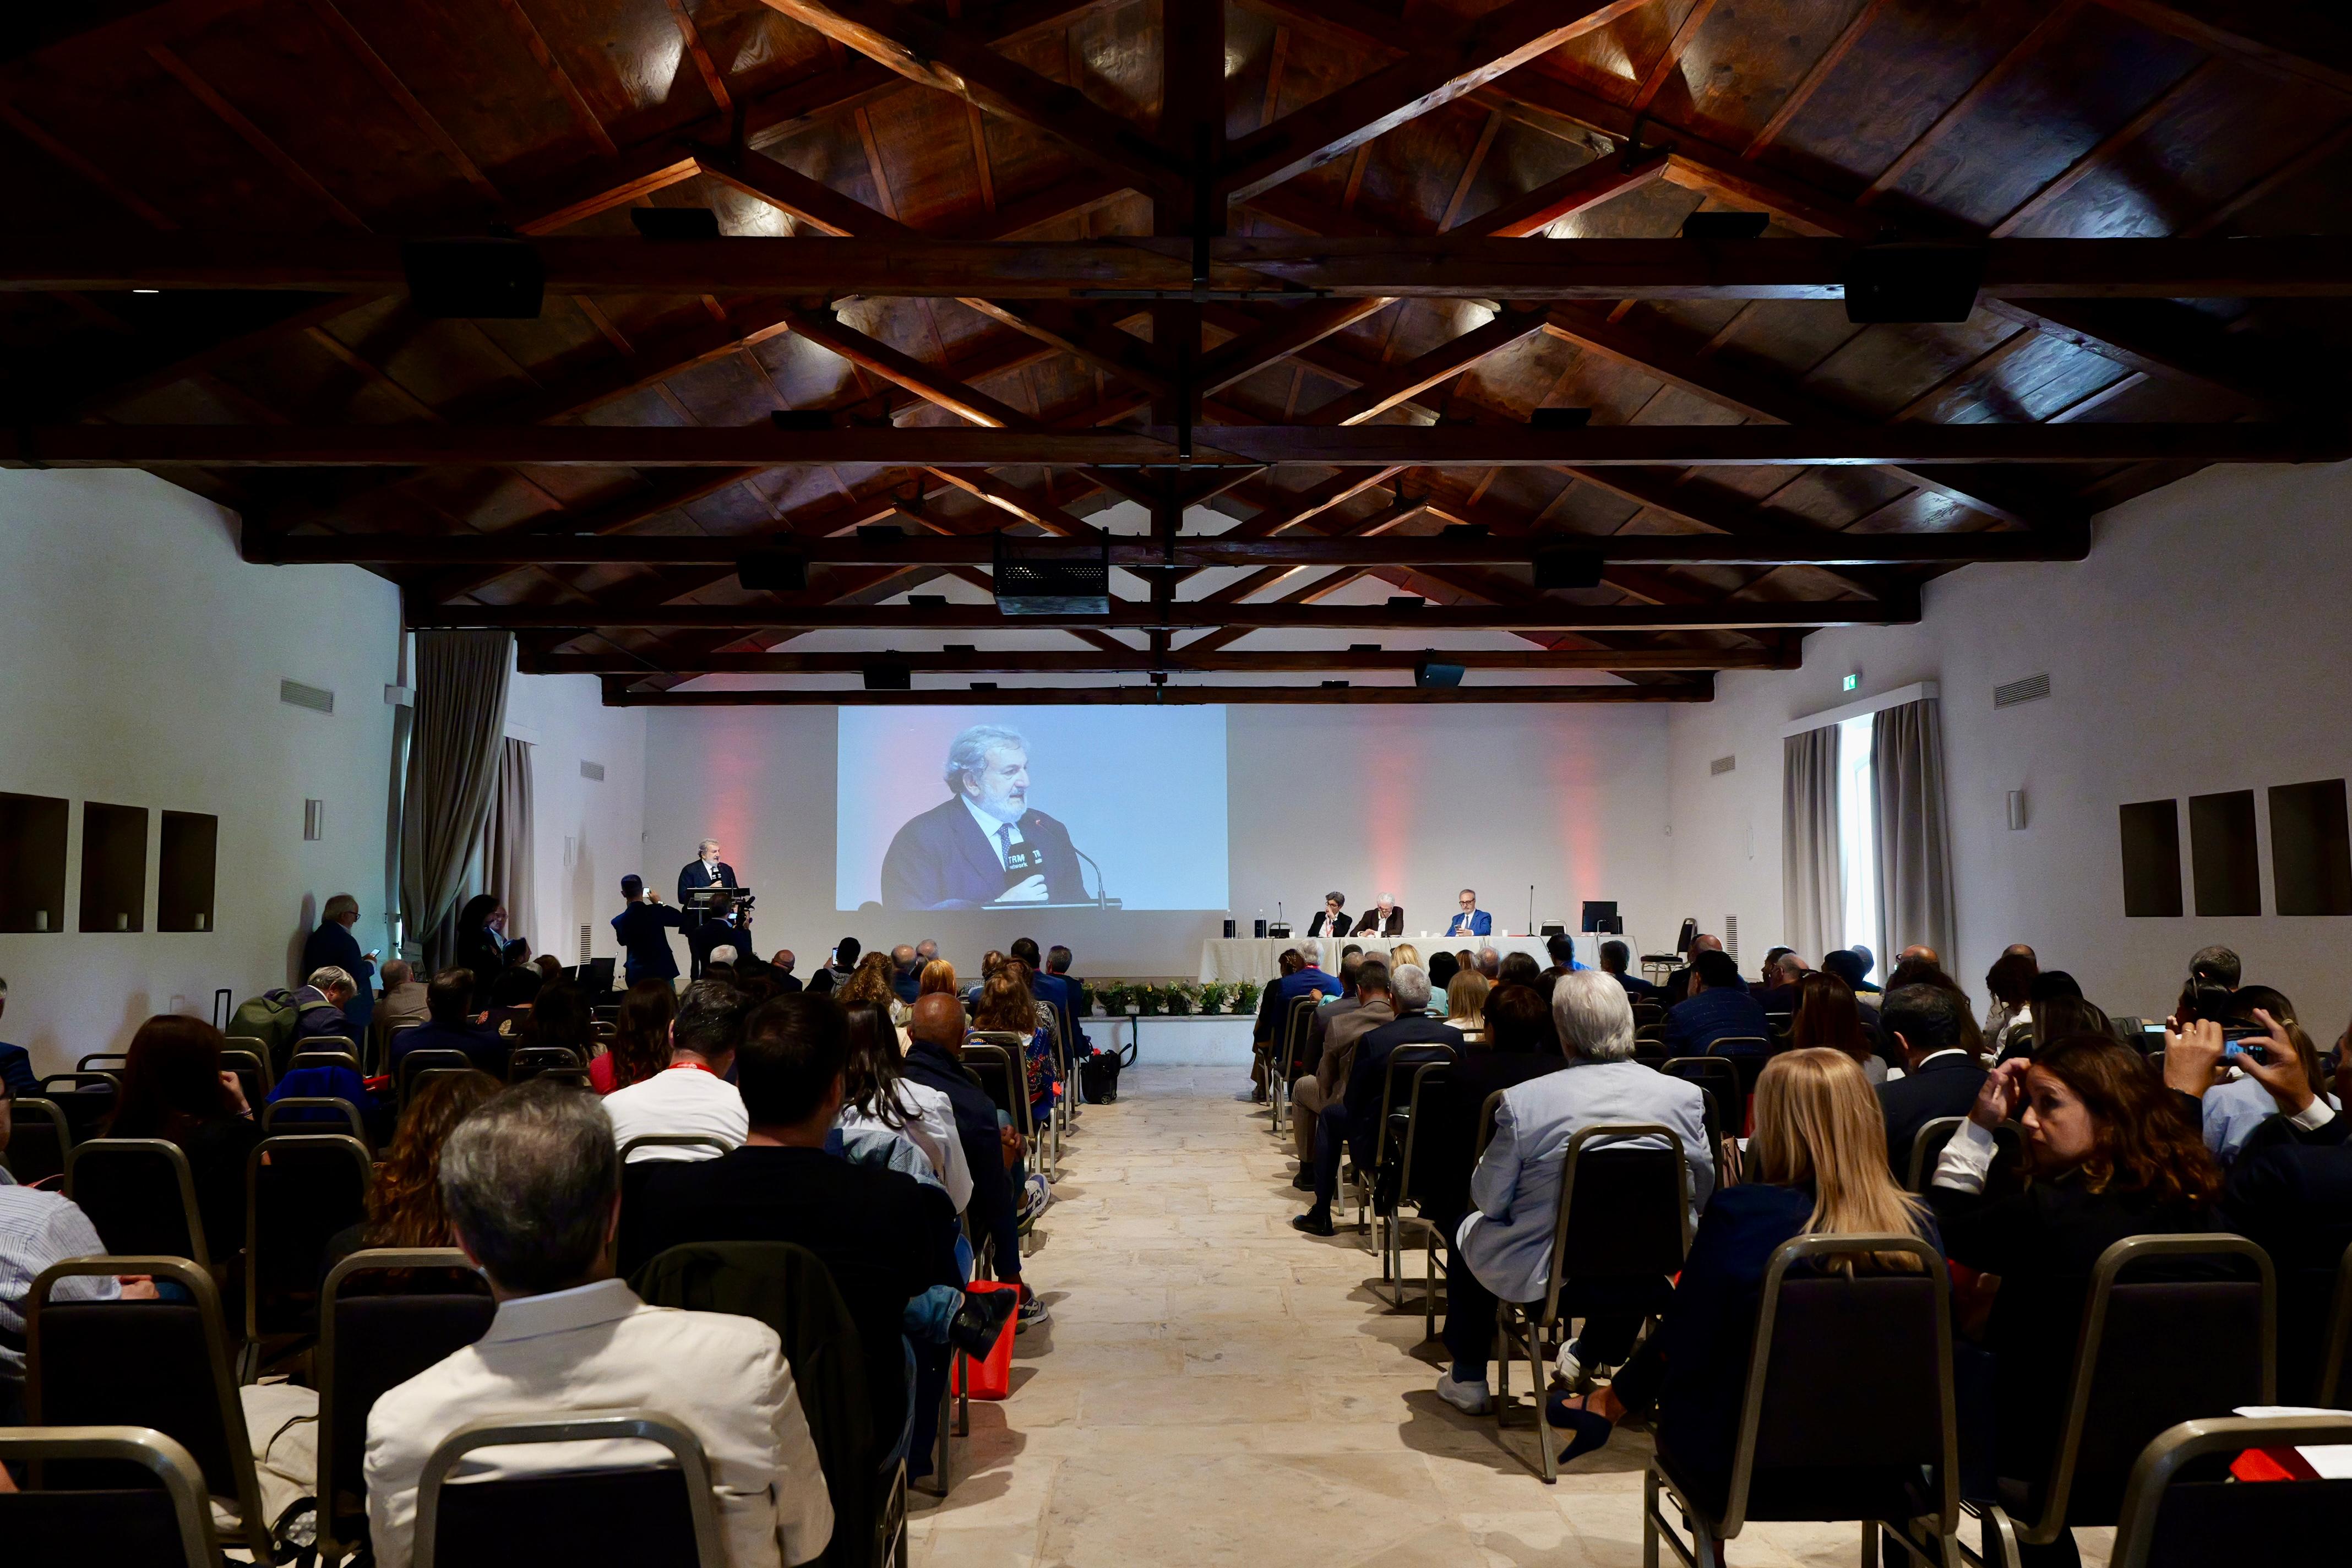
{"x": 1369, "y": 923}
{"x": 941, "y": 860}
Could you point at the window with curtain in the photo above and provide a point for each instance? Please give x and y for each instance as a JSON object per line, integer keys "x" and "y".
{"x": 1857, "y": 837}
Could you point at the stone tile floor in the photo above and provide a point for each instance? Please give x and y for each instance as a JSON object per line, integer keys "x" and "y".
{"x": 1216, "y": 1388}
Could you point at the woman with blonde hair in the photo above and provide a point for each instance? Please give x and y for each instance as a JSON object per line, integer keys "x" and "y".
{"x": 1465, "y": 1000}
{"x": 1816, "y": 1166}
{"x": 1402, "y": 953}
{"x": 939, "y": 974}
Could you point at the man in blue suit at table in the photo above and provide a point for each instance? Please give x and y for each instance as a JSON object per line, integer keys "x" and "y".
{"x": 332, "y": 946}
{"x": 983, "y": 845}
{"x": 1472, "y": 921}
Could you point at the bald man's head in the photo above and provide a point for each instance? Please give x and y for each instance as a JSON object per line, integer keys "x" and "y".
{"x": 1918, "y": 949}
{"x": 1706, "y": 943}
{"x": 938, "y": 1021}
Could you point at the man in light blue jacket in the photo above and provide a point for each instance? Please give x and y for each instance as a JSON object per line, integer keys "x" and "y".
{"x": 1503, "y": 1248}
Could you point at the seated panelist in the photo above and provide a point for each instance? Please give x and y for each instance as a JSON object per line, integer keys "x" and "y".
{"x": 1385, "y": 918}
{"x": 1472, "y": 920}
{"x": 1331, "y": 919}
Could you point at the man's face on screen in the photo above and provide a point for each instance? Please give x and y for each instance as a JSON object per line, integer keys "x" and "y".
{"x": 1001, "y": 788}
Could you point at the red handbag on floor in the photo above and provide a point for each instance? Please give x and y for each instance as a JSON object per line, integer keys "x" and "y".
{"x": 990, "y": 1378}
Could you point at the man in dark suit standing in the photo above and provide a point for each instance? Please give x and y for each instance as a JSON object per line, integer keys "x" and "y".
{"x": 705, "y": 870}
{"x": 1331, "y": 919}
{"x": 1385, "y": 918}
{"x": 643, "y": 930}
{"x": 983, "y": 845}
{"x": 1941, "y": 1078}
{"x": 332, "y": 946}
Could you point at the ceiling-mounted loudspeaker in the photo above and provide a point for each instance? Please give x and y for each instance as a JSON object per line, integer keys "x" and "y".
{"x": 927, "y": 601}
{"x": 676, "y": 223}
{"x": 887, "y": 677}
{"x": 1335, "y": 686}
{"x": 476, "y": 279}
{"x": 1463, "y": 530}
{"x": 1404, "y": 602}
{"x": 877, "y": 532}
{"x": 1038, "y": 577}
{"x": 802, "y": 419}
{"x": 1913, "y": 281}
{"x": 1431, "y": 673}
{"x": 772, "y": 571}
{"x": 1726, "y": 226}
{"x": 1560, "y": 418}
{"x": 1565, "y": 566}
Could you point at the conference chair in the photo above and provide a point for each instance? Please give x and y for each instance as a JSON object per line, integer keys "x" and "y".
{"x": 576, "y": 1076}
{"x": 104, "y": 1061}
{"x": 140, "y": 1196}
{"x": 1619, "y": 1231}
{"x": 91, "y": 1515}
{"x": 425, "y": 1078}
{"x": 2181, "y": 1510}
{"x": 317, "y": 1113}
{"x": 648, "y": 1516}
{"x": 2132, "y": 1381}
{"x": 300, "y": 1191}
{"x": 429, "y": 1058}
{"x": 1848, "y": 1412}
{"x": 312, "y": 1055}
{"x": 532, "y": 1060}
{"x": 253, "y": 1046}
{"x": 1285, "y": 1063}
{"x": 160, "y": 1364}
{"x": 36, "y": 1149}
{"x": 674, "y": 1141}
{"x": 384, "y": 1315}
{"x": 1718, "y": 1081}
{"x": 1927, "y": 1147}
{"x": 1383, "y": 1209}
{"x": 88, "y": 1099}
{"x": 1427, "y": 1077}
{"x": 253, "y": 1076}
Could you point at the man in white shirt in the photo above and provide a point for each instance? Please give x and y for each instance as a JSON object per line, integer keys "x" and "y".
{"x": 692, "y": 1094}
{"x": 532, "y": 1182}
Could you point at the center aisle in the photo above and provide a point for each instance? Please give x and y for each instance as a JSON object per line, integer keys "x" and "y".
{"x": 1217, "y": 1388}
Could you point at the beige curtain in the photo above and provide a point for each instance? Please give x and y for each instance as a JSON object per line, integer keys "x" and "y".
{"x": 505, "y": 838}
{"x": 1813, "y": 882}
{"x": 1909, "y": 829}
{"x": 453, "y": 762}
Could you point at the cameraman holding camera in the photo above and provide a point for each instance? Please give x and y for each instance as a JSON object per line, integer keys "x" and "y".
{"x": 2277, "y": 1068}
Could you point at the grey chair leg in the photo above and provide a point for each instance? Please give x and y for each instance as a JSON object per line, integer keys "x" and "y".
{"x": 1546, "y": 1450}
{"x": 1870, "y": 1528}
{"x": 1649, "y": 1519}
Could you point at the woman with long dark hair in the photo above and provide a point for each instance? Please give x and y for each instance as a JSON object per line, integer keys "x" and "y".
{"x": 560, "y": 1016}
{"x": 174, "y": 1087}
{"x": 1827, "y": 1015}
{"x": 640, "y": 1043}
{"x": 481, "y": 944}
{"x": 878, "y": 1098}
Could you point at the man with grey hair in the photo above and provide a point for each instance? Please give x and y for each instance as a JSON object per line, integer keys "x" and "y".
{"x": 984, "y": 844}
{"x": 705, "y": 870}
{"x": 332, "y": 946}
{"x": 1503, "y": 1248}
{"x": 1364, "y": 1005}
{"x": 1355, "y": 1119}
{"x": 321, "y": 1009}
{"x": 403, "y": 994}
{"x": 532, "y": 1184}
{"x": 1385, "y": 918}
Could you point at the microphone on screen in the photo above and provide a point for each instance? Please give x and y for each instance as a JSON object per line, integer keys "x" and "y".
{"x": 1102, "y": 894}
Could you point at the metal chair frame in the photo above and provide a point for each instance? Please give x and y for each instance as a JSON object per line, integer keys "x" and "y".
{"x": 2171, "y": 1450}
{"x": 1943, "y": 1130}
{"x": 1707, "y": 1535}
{"x": 358, "y": 1148}
{"x": 1728, "y": 1162}
{"x": 431, "y": 1058}
{"x": 1532, "y": 1327}
{"x": 143, "y": 1445}
{"x": 174, "y": 1156}
{"x": 349, "y": 1112}
{"x": 1384, "y": 1234}
{"x": 1999, "y": 1525}
{"x": 1298, "y": 1025}
{"x": 194, "y": 1280}
{"x": 645, "y": 1425}
{"x": 51, "y": 1114}
{"x": 120, "y": 1060}
{"x": 1397, "y": 1221}
{"x": 373, "y": 1261}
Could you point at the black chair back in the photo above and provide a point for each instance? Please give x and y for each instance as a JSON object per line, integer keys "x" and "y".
{"x": 167, "y": 1522}
{"x": 86, "y": 1098}
{"x": 313, "y": 1113}
{"x": 252, "y": 1071}
{"x": 36, "y": 1149}
{"x": 162, "y": 1364}
{"x": 1718, "y": 1079}
{"x": 2182, "y": 1510}
{"x": 1404, "y": 1060}
{"x": 385, "y": 1315}
{"x": 428, "y": 1058}
{"x": 997, "y": 1059}
{"x": 1624, "y": 1213}
{"x": 532, "y": 1060}
{"x": 646, "y": 1516}
{"x": 299, "y": 1192}
{"x": 140, "y": 1196}
{"x": 103, "y": 1062}
{"x": 1927, "y": 1147}
{"x": 313, "y": 1056}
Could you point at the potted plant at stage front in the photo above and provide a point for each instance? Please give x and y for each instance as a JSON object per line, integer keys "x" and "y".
{"x": 1119, "y": 999}
{"x": 1214, "y": 995}
{"x": 1245, "y": 996}
{"x": 1183, "y": 1000}
{"x": 1149, "y": 1001}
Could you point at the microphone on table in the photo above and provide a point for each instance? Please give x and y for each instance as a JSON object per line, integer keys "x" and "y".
{"x": 1531, "y": 908}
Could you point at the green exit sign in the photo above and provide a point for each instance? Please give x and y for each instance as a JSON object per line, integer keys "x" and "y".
{"x": 1850, "y": 682}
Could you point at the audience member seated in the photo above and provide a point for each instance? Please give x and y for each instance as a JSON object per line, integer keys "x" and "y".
{"x": 1918, "y": 973}
{"x": 1442, "y": 968}
{"x": 1054, "y": 985}
{"x": 1813, "y": 1170}
{"x": 560, "y": 1016}
{"x": 886, "y": 1239}
{"x": 1777, "y": 992}
{"x": 1516, "y": 969}
{"x": 1719, "y": 1008}
{"x": 782, "y": 962}
{"x": 989, "y": 962}
{"x": 1319, "y": 1028}
{"x": 2056, "y": 1016}
{"x": 2112, "y": 1153}
{"x": 1850, "y": 966}
{"x": 1678, "y": 984}
{"x": 1465, "y": 1000}
{"x": 403, "y": 1203}
{"x": 1562, "y": 949}
{"x": 1614, "y": 958}
{"x": 1919, "y": 952}
{"x": 16, "y": 1061}
{"x": 532, "y": 1182}
{"x": 451, "y": 1025}
{"x": 639, "y": 1046}
{"x": 1518, "y": 1044}
{"x": 403, "y": 1002}
{"x": 1358, "y": 1124}
{"x": 939, "y": 974}
{"x": 691, "y": 1095}
{"x": 2243, "y": 1100}
{"x": 878, "y": 1102}
{"x": 516, "y": 983}
{"x": 550, "y": 967}
{"x": 1273, "y": 1013}
{"x": 846, "y": 955}
{"x": 1373, "y": 1008}
{"x": 2009, "y": 983}
{"x": 174, "y": 1087}
{"x": 1023, "y": 952}
{"x": 1308, "y": 976}
{"x": 1827, "y": 1015}
{"x": 38, "y": 1228}
{"x": 1503, "y": 1245}
{"x": 906, "y": 973}
{"x": 989, "y": 1145}
{"x": 1940, "y": 1077}
{"x": 1490, "y": 963}
{"x": 320, "y": 1011}
{"x": 1008, "y": 1007}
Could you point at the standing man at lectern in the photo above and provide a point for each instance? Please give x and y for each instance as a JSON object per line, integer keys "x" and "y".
{"x": 705, "y": 870}
{"x": 1472, "y": 921}
{"x": 983, "y": 845}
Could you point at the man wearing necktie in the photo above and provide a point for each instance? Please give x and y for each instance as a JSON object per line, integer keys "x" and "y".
{"x": 983, "y": 845}
{"x": 1472, "y": 921}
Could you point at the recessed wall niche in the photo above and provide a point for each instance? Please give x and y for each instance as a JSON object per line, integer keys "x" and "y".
{"x": 2311, "y": 848}
{"x": 2224, "y": 862}
{"x": 184, "y": 871}
{"x": 32, "y": 863}
{"x": 2151, "y": 844}
{"x": 113, "y": 867}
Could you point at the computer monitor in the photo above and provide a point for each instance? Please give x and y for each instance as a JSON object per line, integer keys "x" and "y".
{"x": 1601, "y": 915}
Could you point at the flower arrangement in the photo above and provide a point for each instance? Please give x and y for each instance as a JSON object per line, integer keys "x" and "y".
{"x": 1183, "y": 999}
{"x": 1214, "y": 995}
{"x": 1245, "y": 996}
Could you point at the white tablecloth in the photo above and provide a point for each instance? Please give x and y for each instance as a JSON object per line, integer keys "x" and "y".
{"x": 1260, "y": 958}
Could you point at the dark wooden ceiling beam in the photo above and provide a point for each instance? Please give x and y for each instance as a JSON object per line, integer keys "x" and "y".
{"x": 1558, "y": 615}
{"x": 1698, "y": 689}
{"x": 1272, "y": 661}
{"x": 2307, "y": 44}
{"x": 1466, "y": 264}
{"x": 1220, "y": 445}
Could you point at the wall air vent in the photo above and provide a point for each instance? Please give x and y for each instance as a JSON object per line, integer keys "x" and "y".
{"x": 318, "y": 698}
{"x": 1722, "y": 764}
{"x": 592, "y": 771}
{"x": 1731, "y": 937}
{"x": 2032, "y": 688}
{"x": 586, "y": 933}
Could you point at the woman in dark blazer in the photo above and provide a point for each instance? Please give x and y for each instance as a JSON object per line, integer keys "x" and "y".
{"x": 480, "y": 946}
{"x": 174, "y": 1087}
{"x": 1816, "y": 1165}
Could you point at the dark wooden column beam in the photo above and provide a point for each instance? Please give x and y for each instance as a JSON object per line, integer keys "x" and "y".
{"x": 1723, "y": 616}
{"x": 1057, "y": 661}
{"x": 1697, "y": 688}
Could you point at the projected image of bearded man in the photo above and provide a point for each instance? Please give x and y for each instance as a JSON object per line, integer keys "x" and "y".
{"x": 983, "y": 844}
